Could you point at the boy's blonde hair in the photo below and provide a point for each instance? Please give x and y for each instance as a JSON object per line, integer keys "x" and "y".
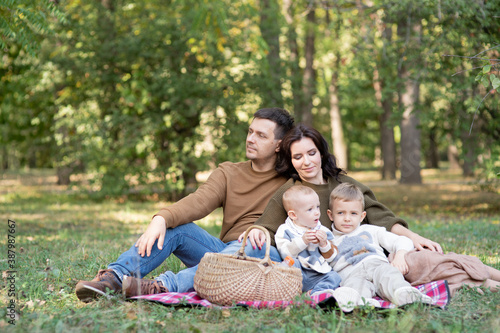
{"x": 291, "y": 196}
{"x": 346, "y": 192}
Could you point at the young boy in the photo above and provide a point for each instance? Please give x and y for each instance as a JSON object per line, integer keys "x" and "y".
{"x": 304, "y": 238}
{"x": 361, "y": 262}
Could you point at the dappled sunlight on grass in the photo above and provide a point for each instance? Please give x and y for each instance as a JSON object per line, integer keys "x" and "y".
{"x": 491, "y": 260}
{"x": 130, "y": 217}
{"x": 440, "y": 201}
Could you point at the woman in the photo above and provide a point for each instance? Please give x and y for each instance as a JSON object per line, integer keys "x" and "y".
{"x": 305, "y": 159}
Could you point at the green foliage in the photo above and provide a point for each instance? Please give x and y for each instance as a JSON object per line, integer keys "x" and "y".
{"x": 142, "y": 95}
{"x": 22, "y": 22}
{"x": 139, "y": 93}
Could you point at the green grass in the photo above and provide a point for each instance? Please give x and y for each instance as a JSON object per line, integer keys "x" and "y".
{"x": 62, "y": 236}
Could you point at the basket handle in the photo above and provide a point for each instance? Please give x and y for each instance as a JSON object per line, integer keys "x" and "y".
{"x": 241, "y": 252}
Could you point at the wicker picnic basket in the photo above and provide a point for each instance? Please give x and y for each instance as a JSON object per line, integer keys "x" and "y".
{"x": 225, "y": 279}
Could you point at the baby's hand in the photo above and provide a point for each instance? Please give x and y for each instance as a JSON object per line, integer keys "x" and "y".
{"x": 321, "y": 237}
{"x": 310, "y": 237}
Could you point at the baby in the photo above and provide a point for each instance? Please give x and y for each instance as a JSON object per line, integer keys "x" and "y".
{"x": 304, "y": 238}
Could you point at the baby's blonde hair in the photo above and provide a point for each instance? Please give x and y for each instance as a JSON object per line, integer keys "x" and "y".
{"x": 346, "y": 192}
{"x": 291, "y": 197}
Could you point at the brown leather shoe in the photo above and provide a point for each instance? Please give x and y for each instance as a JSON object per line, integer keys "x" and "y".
{"x": 106, "y": 282}
{"x": 136, "y": 287}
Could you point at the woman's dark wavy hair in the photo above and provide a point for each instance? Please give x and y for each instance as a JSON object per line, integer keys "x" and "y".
{"x": 284, "y": 164}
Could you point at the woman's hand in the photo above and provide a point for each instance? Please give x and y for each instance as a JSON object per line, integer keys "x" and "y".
{"x": 156, "y": 230}
{"x": 418, "y": 241}
{"x": 256, "y": 237}
{"x": 421, "y": 243}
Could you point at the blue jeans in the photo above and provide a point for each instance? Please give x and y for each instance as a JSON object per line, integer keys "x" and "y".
{"x": 314, "y": 281}
{"x": 189, "y": 243}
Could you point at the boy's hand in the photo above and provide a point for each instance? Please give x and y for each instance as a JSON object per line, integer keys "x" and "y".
{"x": 321, "y": 237}
{"x": 399, "y": 261}
{"x": 156, "y": 230}
{"x": 310, "y": 237}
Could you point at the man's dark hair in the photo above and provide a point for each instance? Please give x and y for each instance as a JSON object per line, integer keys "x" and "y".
{"x": 284, "y": 121}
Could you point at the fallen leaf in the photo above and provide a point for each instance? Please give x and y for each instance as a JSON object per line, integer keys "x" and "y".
{"x": 161, "y": 323}
{"x": 131, "y": 315}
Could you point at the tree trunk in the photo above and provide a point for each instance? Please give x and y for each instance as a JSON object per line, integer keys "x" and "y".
{"x": 63, "y": 175}
{"x": 410, "y": 133}
{"x": 387, "y": 142}
{"x": 469, "y": 153}
{"x": 468, "y": 137}
{"x": 32, "y": 160}
{"x": 339, "y": 145}
{"x": 385, "y": 103}
{"x": 295, "y": 70}
{"x": 309, "y": 80}
{"x": 452, "y": 153}
{"x": 432, "y": 154}
{"x": 270, "y": 30}
{"x": 5, "y": 158}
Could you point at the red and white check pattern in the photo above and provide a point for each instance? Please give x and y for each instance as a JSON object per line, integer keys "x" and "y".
{"x": 437, "y": 290}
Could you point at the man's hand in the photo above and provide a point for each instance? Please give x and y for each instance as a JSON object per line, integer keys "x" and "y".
{"x": 321, "y": 237}
{"x": 156, "y": 230}
{"x": 256, "y": 237}
{"x": 399, "y": 261}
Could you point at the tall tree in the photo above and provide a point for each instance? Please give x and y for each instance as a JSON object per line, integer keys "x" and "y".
{"x": 409, "y": 30}
{"x": 309, "y": 79}
{"x": 295, "y": 72}
{"x": 337, "y": 132}
{"x": 384, "y": 98}
{"x": 270, "y": 30}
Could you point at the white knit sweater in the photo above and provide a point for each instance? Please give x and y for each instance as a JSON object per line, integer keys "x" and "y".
{"x": 367, "y": 242}
{"x": 289, "y": 242}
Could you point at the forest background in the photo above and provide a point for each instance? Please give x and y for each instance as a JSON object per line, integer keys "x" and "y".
{"x": 121, "y": 99}
{"x": 142, "y": 95}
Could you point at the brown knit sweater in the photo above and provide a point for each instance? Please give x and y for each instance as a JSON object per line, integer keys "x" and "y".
{"x": 376, "y": 213}
{"x": 242, "y": 193}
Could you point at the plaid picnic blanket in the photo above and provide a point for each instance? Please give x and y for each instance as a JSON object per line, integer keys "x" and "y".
{"x": 437, "y": 290}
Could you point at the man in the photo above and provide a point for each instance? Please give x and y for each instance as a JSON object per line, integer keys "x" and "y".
{"x": 241, "y": 189}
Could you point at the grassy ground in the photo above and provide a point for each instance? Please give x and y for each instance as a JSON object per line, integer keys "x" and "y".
{"x": 62, "y": 237}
